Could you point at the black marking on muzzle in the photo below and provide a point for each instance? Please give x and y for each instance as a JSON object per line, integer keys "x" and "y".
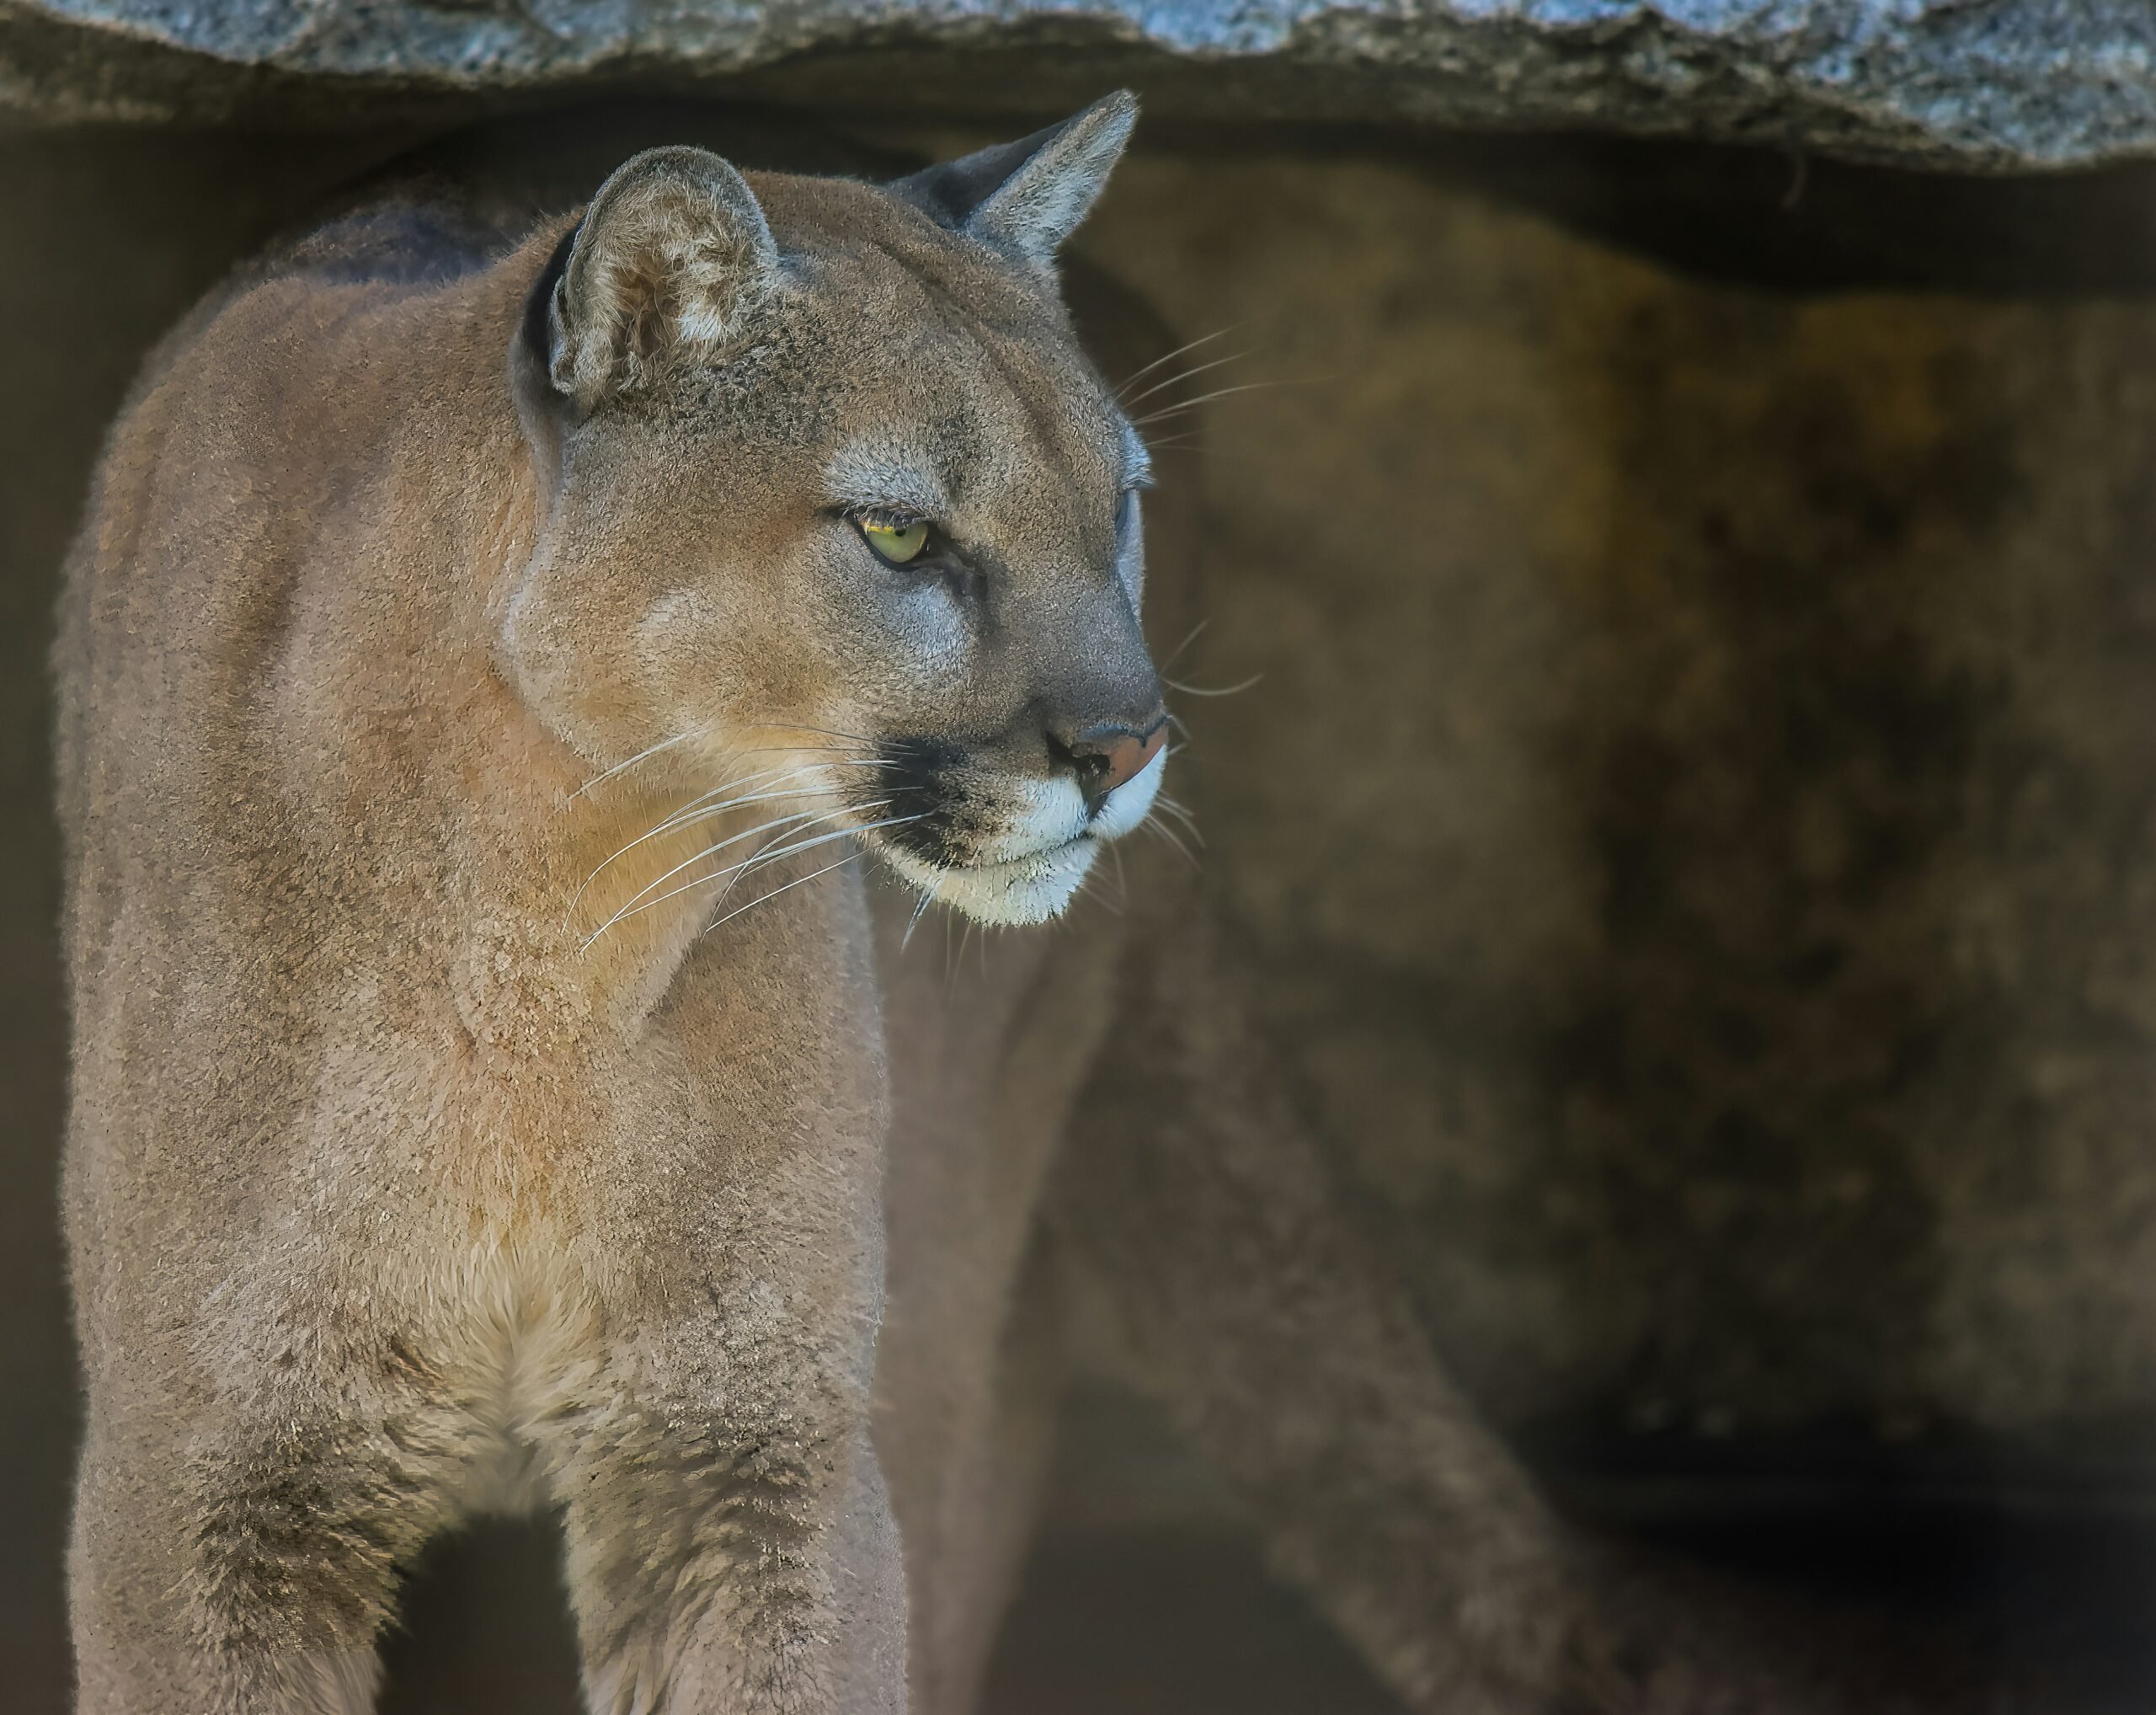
{"x": 922, "y": 778}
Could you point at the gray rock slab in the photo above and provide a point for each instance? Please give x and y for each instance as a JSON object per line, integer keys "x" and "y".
{"x": 1972, "y": 84}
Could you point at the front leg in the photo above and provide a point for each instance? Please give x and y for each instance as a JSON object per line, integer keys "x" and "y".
{"x": 730, "y": 1546}
{"x": 718, "y": 1565}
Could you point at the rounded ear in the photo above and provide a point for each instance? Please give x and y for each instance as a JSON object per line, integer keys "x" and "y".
{"x": 670, "y": 259}
{"x": 1027, "y": 197}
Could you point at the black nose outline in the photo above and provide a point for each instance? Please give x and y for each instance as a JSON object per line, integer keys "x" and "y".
{"x": 1109, "y": 754}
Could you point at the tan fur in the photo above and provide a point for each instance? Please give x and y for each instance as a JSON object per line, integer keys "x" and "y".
{"x": 413, "y": 1168}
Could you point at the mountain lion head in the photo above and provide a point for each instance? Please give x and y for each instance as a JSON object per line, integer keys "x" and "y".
{"x": 839, "y": 511}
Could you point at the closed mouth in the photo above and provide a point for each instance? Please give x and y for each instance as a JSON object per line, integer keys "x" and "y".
{"x": 1030, "y": 888}
{"x": 993, "y": 869}
{"x": 1031, "y": 860}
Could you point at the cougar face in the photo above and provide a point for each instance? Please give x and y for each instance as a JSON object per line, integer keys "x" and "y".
{"x": 839, "y": 511}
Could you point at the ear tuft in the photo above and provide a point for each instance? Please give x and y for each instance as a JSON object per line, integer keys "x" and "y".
{"x": 1027, "y": 197}
{"x": 669, "y": 261}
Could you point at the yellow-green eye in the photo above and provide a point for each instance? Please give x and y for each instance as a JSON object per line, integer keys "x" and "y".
{"x": 895, "y": 542}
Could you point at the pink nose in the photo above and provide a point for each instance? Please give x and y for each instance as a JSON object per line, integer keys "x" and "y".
{"x": 1109, "y": 756}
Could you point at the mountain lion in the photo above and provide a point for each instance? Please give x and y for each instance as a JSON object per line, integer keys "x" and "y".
{"x": 489, "y": 647}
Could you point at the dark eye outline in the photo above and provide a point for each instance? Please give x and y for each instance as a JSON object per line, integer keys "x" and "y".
{"x": 931, "y": 545}
{"x": 939, "y": 559}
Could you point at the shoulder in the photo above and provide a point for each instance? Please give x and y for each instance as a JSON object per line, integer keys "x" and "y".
{"x": 399, "y": 243}
{"x": 418, "y": 234}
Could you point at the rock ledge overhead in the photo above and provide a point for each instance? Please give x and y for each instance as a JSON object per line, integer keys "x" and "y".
{"x": 1969, "y": 84}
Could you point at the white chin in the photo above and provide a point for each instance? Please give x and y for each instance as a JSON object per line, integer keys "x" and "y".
{"x": 1028, "y": 889}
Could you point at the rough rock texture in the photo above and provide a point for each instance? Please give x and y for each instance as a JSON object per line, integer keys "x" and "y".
{"x": 1981, "y": 83}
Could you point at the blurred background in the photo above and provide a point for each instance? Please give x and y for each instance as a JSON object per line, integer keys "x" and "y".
{"x": 1692, "y": 514}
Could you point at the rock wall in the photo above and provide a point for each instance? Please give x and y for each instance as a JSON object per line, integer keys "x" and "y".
{"x": 2009, "y": 83}
{"x": 1700, "y": 802}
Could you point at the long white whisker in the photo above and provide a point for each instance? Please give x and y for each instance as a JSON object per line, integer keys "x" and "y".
{"x": 767, "y": 855}
{"x": 770, "y": 848}
{"x": 765, "y": 898}
{"x": 1237, "y": 689}
{"x": 809, "y": 749}
{"x": 1089, "y": 888}
{"x": 1195, "y": 632}
{"x": 1182, "y": 376}
{"x": 1166, "y": 833}
{"x": 1182, "y": 814}
{"x": 821, "y": 732}
{"x": 756, "y": 777}
{"x": 683, "y": 819}
{"x": 650, "y": 750}
{"x": 770, "y": 777}
{"x": 1171, "y": 356}
{"x": 631, "y": 907}
{"x": 1182, "y": 405}
{"x": 913, "y": 922}
{"x": 697, "y": 809}
{"x": 713, "y": 803}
